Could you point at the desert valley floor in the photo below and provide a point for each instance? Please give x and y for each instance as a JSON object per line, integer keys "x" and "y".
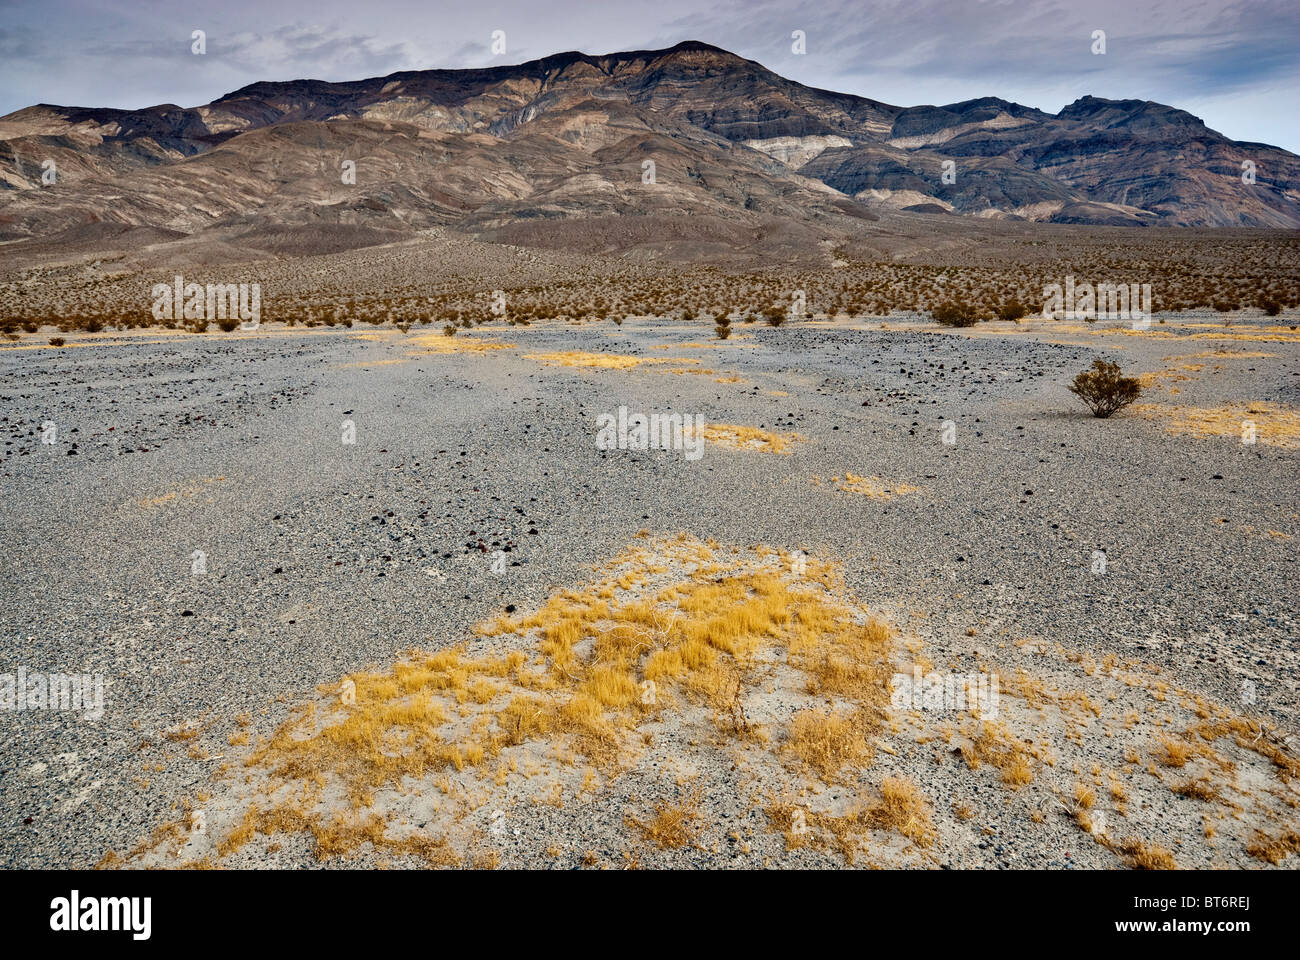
{"x": 357, "y": 676}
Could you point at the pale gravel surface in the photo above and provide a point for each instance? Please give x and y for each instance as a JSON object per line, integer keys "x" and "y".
{"x": 317, "y": 551}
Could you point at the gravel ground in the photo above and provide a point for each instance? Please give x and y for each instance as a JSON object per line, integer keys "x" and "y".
{"x": 324, "y": 557}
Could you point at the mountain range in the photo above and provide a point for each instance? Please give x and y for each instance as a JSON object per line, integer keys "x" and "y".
{"x": 511, "y": 152}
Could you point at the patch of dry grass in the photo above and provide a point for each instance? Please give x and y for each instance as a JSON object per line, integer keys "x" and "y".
{"x": 673, "y": 824}
{"x": 873, "y": 487}
{"x": 671, "y": 625}
{"x": 427, "y": 343}
{"x": 1144, "y": 856}
{"x": 740, "y": 437}
{"x": 1274, "y": 425}
{"x": 1275, "y": 849}
{"x": 900, "y": 808}
{"x": 991, "y": 742}
{"x": 600, "y": 361}
{"x": 826, "y": 741}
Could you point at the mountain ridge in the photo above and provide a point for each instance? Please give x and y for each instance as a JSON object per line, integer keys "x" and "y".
{"x": 568, "y": 137}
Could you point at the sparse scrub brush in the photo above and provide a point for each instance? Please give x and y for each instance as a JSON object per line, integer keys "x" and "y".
{"x": 954, "y": 313}
{"x": 450, "y": 330}
{"x": 1104, "y": 389}
{"x": 57, "y": 341}
{"x": 1012, "y": 310}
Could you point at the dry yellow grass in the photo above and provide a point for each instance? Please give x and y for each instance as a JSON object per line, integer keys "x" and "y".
{"x": 827, "y": 741}
{"x": 1143, "y": 856}
{"x": 462, "y": 343}
{"x": 900, "y": 808}
{"x": 748, "y": 438}
{"x": 1174, "y": 753}
{"x": 673, "y": 824}
{"x": 1198, "y": 788}
{"x": 1275, "y": 849}
{"x": 671, "y": 624}
{"x": 1274, "y": 425}
{"x": 873, "y": 487}
{"x": 992, "y": 743}
{"x": 1223, "y": 355}
{"x": 600, "y": 361}
{"x": 1238, "y": 332}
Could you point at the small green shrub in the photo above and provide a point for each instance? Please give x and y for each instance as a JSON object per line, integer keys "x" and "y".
{"x": 1105, "y": 389}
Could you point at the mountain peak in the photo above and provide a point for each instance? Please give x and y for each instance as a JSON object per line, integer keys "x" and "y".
{"x": 565, "y": 136}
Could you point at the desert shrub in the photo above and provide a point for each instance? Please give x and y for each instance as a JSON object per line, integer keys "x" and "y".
{"x": 1270, "y": 307}
{"x": 1012, "y": 310}
{"x": 723, "y": 331}
{"x": 30, "y": 327}
{"x": 954, "y": 313}
{"x": 94, "y": 325}
{"x": 1104, "y": 388}
{"x": 57, "y": 341}
{"x": 228, "y": 324}
{"x": 774, "y": 315}
{"x": 450, "y": 330}
{"x": 199, "y": 326}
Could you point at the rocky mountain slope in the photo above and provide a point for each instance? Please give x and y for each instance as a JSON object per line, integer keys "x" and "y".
{"x": 692, "y": 130}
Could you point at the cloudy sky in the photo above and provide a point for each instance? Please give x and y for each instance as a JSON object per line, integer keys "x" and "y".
{"x": 1233, "y": 64}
